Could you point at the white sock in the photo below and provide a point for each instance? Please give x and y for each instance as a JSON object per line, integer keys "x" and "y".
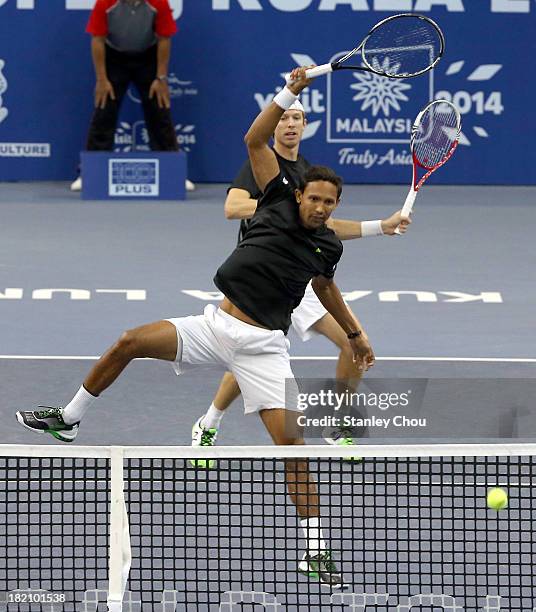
{"x": 77, "y": 407}
{"x": 312, "y": 530}
{"x": 212, "y": 418}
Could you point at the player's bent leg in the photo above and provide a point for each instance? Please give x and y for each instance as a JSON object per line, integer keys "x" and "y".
{"x": 205, "y": 429}
{"x": 301, "y": 486}
{"x": 157, "y": 340}
{"x": 317, "y": 561}
{"x": 227, "y": 392}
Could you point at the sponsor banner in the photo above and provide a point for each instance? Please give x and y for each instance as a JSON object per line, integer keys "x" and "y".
{"x": 24, "y": 149}
{"x": 4, "y": 112}
{"x": 151, "y": 175}
{"x": 358, "y": 123}
{"x": 133, "y": 177}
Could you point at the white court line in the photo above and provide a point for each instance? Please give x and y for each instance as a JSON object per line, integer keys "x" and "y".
{"x": 52, "y": 357}
{"x": 306, "y": 358}
{"x": 461, "y": 359}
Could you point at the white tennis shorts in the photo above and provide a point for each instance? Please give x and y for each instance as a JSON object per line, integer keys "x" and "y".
{"x": 307, "y": 314}
{"x": 257, "y": 357}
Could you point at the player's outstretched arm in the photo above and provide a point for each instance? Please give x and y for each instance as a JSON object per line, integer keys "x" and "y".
{"x": 345, "y": 229}
{"x": 329, "y": 295}
{"x": 239, "y": 204}
{"x": 263, "y": 160}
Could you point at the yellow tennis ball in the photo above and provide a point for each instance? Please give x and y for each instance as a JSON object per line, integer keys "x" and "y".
{"x": 497, "y": 498}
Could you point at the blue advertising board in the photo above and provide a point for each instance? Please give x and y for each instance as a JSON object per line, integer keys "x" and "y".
{"x": 153, "y": 175}
{"x": 227, "y": 62}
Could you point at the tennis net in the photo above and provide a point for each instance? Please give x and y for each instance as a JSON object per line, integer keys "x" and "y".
{"x": 408, "y": 528}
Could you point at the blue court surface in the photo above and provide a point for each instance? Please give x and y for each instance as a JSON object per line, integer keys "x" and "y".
{"x": 451, "y": 299}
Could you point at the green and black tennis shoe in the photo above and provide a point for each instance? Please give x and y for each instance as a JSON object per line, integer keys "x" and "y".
{"x": 322, "y": 567}
{"x": 203, "y": 437}
{"x": 50, "y": 421}
{"x": 342, "y": 437}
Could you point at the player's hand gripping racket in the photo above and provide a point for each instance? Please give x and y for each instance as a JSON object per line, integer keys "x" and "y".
{"x": 434, "y": 138}
{"x": 399, "y": 47}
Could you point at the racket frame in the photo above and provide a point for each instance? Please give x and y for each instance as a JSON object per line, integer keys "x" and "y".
{"x": 368, "y": 68}
{"x": 322, "y": 69}
{"x": 415, "y": 186}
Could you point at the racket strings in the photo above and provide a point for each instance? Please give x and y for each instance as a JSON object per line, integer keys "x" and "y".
{"x": 436, "y": 134}
{"x": 404, "y": 46}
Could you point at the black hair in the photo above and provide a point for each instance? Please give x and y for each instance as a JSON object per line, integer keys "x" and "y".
{"x": 321, "y": 173}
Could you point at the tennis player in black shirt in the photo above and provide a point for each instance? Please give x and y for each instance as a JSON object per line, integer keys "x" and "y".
{"x": 310, "y": 317}
{"x": 263, "y": 280}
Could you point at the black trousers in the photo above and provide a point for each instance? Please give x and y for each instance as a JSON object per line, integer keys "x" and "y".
{"x": 122, "y": 70}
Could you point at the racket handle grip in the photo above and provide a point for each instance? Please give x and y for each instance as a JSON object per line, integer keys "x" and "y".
{"x": 408, "y": 207}
{"x": 408, "y": 204}
{"x": 311, "y": 73}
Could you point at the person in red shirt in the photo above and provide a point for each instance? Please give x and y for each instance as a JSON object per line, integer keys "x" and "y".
{"x": 131, "y": 44}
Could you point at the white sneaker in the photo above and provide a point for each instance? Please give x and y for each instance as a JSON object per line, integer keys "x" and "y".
{"x": 203, "y": 437}
{"x": 189, "y": 185}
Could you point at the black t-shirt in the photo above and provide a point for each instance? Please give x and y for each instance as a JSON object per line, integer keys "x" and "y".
{"x": 293, "y": 170}
{"x": 266, "y": 275}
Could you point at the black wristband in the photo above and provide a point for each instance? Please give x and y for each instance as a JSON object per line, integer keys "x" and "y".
{"x": 355, "y": 334}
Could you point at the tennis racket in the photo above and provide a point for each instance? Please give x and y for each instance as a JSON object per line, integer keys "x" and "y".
{"x": 434, "y": 138}
{"x": 399, "y": 47}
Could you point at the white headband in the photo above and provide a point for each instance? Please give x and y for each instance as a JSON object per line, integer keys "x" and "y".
{"x": 297, "y": 105}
